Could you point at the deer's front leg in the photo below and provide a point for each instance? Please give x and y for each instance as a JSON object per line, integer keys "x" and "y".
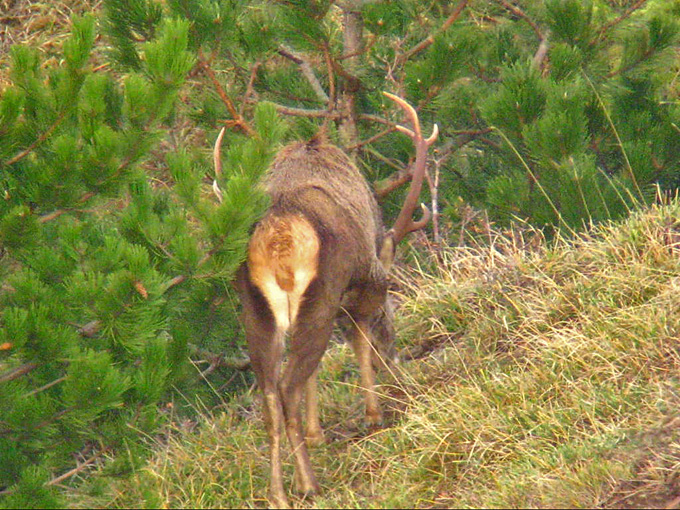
{"x": 361, "y": 343}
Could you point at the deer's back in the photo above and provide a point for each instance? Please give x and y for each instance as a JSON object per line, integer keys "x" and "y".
{"x": 319, "y": 181}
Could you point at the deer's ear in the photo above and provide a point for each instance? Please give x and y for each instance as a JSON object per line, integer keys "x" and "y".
{"x": 386, "y": 253}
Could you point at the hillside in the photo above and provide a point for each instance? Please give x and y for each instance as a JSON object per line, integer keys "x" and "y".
{"x": 534, "y": 375}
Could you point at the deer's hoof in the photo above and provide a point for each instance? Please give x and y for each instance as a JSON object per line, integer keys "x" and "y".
{"x": 314, "y": 439}
{"x": 373, "y": 420}
{"x": 277, "y": 500}
{"x": 306, "y": 485}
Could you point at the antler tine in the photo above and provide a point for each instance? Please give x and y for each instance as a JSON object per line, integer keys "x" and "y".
{"x": 217, "y": 160}
{"x": 417, "y": 225}
{"x": 404, "y": 223}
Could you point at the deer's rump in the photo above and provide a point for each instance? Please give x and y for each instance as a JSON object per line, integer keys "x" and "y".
{"x": 283, "y": 258}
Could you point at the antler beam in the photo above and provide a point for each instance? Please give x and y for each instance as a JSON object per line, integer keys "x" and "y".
{"x": 404, "y": 222}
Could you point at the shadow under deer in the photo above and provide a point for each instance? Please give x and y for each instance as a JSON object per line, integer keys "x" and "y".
{"x": 320, "y": 252}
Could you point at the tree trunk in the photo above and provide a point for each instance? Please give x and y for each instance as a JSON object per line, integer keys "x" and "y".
{"x": 353, "y": 25}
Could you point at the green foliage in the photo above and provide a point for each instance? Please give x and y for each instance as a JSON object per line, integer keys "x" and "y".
{"x": 109, "y": 282}
{"x": 117, "y": 258}
{"x": 570, "y": 20}
{"x": 542, "y": 377}
{"x": 518, "y": 102}
{"x": 127, "y": 21}
{"x": 32, "y": 492}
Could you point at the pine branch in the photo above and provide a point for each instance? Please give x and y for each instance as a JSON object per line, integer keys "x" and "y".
{"x": 605, "y": 28}
{"x": 427, "y": 42}
{"x": 372, "y": 139}
{"x": 303, "y": 112}
{"x": 15, "y": 373}
{"x": 375, "y": 118}
{"x": 237, "y": 119}
{"x": 93, "y": 327}
{"x": 394, "y": 181}
{"x": 307, "y": 71}
{"x": 632, "y": 65}
{"x": 55, "y": 214}
{"x": 371, "y": 39}
{"x": 38, "y": 140}
{"x": 519, "y": 12}
{"x": 66, "y": 475}
{"x": 76, "y": 469}
{"x": 45, "y": 387}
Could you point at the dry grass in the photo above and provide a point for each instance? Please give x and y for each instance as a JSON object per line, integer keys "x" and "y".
{"x": 534, "y": 375}
{"x": 542, "y": 377}
{"x": 42, "y": 24}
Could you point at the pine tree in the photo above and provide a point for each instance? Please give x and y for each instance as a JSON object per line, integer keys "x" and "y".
{"x": 108, "y": 281}
{"x": 557, "y": 112}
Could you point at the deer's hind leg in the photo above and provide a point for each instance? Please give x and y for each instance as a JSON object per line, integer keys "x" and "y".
{"x": 265, "y": 348}
{"x": 313, "y": 432}
{"x": 267, "y": 367}
{"x": 308, "y": 342}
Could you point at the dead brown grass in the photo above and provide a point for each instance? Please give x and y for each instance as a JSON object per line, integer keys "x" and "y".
{"x": 43, "y": 24}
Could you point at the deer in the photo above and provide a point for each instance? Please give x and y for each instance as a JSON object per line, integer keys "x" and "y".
{"x": 320, "y": 252}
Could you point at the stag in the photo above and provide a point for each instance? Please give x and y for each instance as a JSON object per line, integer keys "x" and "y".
{"x": 320, "y": 252}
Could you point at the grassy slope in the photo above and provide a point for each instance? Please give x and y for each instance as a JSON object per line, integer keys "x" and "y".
{"x": 539, "y": 378}
{"x": 542, "y": 377}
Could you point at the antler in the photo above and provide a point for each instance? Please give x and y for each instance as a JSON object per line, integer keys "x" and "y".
{"x": 404, "y": 222}
{"x": 217, "y": 160}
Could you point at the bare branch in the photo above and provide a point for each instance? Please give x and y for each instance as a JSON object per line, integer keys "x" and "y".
{"x": 307, "y": 71}
{"x": 250, "y": 89}
{"x": 352, "y": 43}
{"x": 331, "y": 76}
{"x": 427, "y": 42}
{"x": 541, "y": 53}
{"x": 519, "y": 12}
{"x": 237, "y": 118}
{"x": 219, "y": 360}
{"x": 90, "y": 329}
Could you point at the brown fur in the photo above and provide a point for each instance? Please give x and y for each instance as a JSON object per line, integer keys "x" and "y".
{"x": 318, "y": 253}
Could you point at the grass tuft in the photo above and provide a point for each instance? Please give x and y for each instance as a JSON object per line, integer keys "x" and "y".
{"x": 533, "y": 375}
